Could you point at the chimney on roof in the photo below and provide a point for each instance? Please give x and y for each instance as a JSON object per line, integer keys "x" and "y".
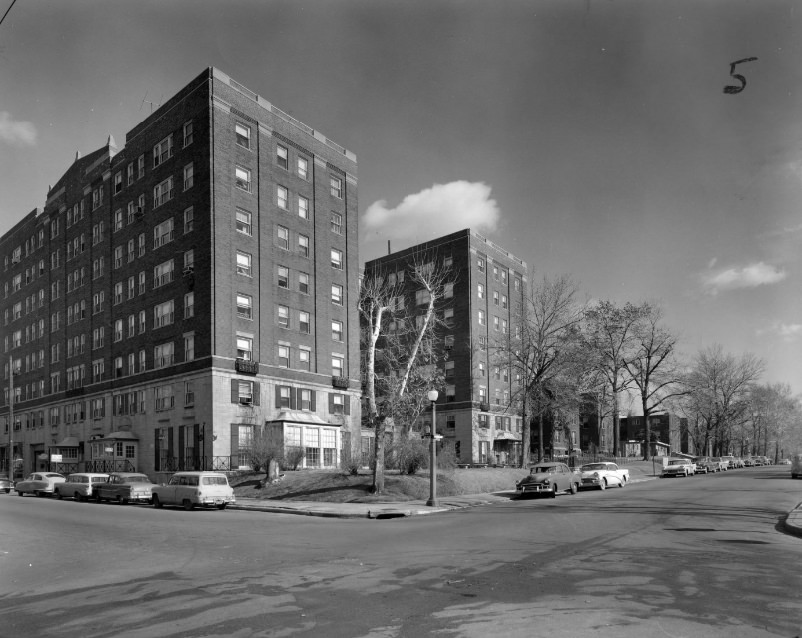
{"x": 77, "y": 155}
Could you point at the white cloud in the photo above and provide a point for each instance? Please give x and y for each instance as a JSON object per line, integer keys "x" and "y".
{"x": 787, "y": 331}
{"x": 751, "y": 276}
{"x": 433, "y": 212}
{"x": 16, "y": 133}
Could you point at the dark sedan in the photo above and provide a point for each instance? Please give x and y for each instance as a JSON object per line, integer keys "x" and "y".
{"x": 548, "y": 479}
{"x": 125, "y": 487}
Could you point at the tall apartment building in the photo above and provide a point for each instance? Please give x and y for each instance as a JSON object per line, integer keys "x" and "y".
{"x": 177, "y": 293}
{"x": 484, "y": 290}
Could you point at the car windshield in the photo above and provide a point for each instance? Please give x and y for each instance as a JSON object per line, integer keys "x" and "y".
{"x": 677, "y": 462}
{"x": 53, "y": 475}
{"x": 138, "y": 478}
{"x": 593, "y": 466}
{"x": 544, "y": 469}
{"x": 214, "y": 480}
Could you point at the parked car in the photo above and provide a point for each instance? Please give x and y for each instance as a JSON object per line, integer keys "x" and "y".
{"x": 731, "y": 462}
{"x": 796, "y": 465}
{"x": 125, "y": 487}
{"x": 679, "y": 467}
{"x": 749, "y": 461}
{"x": 603, "y": 475}
{"x": 721, "y": 464}
{"x": 39, "y": 483}
{"x": 5, "y": 484}
{"x": 784, "y": 462}
{"x": 549, "y": 478}
{"x": 705, "y": 465}
{"x": 80, "y": 485}
{"x": 208, "y": 489}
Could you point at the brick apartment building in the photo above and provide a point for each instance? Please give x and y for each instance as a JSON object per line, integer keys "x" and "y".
{"x": 485, "y": 287}
{"x": 178, "y": 292}
{"x": 666, "y": 429}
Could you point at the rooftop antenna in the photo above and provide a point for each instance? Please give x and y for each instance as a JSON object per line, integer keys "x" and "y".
{"x": 146, "y": 101}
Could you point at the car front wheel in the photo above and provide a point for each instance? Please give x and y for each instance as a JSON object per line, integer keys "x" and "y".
{"x": 574, "y": 488}
{"x": 603, "y": 484}
{"x": 553, "y": 493}
{"x": 222, "y": 506}
{"x": 156, "y": 502}
{"x": 188, "y": 505}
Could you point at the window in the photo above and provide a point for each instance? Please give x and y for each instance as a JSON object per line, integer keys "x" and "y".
{"x": 304, "y": 358}
{"x": 244, "y": 306}
{"x": 189, "y": 219}
{"x": 337, "y": 294}
{"x": 131, "y": 325}
{"x": 189, "y": 305}
{"x": 422, "y": 297}
{"x": 189, "y": 177}
{"x": 304, "y": 399}
{"x": 130, "y": 174}
{"x": 284, "y": 356}
{"x": 303, "y": 207}
{"x": 303, "y": 167}
{"x": 97, "y": 302}
{"x": 338, "y": 404}
{"x": 97, "y": 200}
{"x": 304, "y": 322}
{"x": 480, "y": 264}
{"x": 189, "y": 346}
{"x": 336, "y": 187}
{"x": 163, "y": 273}
{"x": 504, "y": 301}
{"x": 495, "y": 273}
{"x": 243, "y": 135}
{"x": 284, "y": 397}
{"x": 337, "y": 330}
{"x": 448, "y": 317}
{"x": 449, "y": 369}
{"x": 336, "y": 259}
{"x": 448, "y": 262}
{"x": 187, "y": 133}
{"x": 336, "y": 223}
{"x": 283, "y": 237}
{"x": 165, "y": 399}
{"x": 283, "y": 277}
{"x": 163, "y": 151}
{"x": 97, "y": 375}
{"x": 495, "y": 324}
{"x": 481, "y": 369}
{"x": 303, "y": 283}
{"x": 118, "y": 293}
{"x": 242, "y": 178}
{"x": 282, "y": 157}
{"x": 118, "y": 182}
{"x": 495, "y": 298}
{"x": 163, "y": 355}
{"x": 141, "y": 245}
{"x": 142, "y": 283}
{"x": 481, "y": 317}
{"x": 243, "y": 263}
{"x": 282, "y": 197}
{"x": 337, "y": 365}
{"x": 118, "y": 257}
{"x": 97, "y": 268}
{"x": 163, "y": 192}
{"x": 163, "y": 314}
{"x": 243, "y": 220}
{"x": 142, "y": 321}
{"x": 118, "y": 220}
{"x": 283, "y": 317}
{"x": 480, "y": 291}
{"x": 141, "y": 166}
{"x": 97, "y": 338}
{"x": 303, "y": 245}
{"x": 244, "y": 347}
{"x": 504, "y": 326}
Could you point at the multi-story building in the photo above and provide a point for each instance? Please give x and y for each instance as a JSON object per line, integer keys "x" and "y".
{"x": 483, "y": 291}
{"x": 665, "y": 429}
{"x": 177, "y": 293}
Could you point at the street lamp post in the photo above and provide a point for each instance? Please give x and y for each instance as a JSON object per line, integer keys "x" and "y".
{"x": 432, "y": 502}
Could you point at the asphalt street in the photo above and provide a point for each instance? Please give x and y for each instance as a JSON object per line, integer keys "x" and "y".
{"x": 702, "y": 556}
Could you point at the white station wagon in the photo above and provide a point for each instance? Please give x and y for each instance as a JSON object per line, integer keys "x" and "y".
{"x": 188, "y": 489}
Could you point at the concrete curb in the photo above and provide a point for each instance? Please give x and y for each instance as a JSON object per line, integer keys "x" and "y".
{"x": 793, "y": 521}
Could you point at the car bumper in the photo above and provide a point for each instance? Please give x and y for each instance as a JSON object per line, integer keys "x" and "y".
{"x": 591, "y": 482}
{"x": 535, "y": 488}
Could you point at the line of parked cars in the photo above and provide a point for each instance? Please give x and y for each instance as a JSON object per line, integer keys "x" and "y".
{"x": 550, "y": 478}
{"x": 187, "y": 489}
{"x": 710, "y": 464}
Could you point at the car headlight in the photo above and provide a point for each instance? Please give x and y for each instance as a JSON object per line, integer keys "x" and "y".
{"x": 596, "y": 475}
{"x": 546, "y": 481}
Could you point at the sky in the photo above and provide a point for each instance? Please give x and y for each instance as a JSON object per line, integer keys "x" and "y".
{"x": 590, "y": 138}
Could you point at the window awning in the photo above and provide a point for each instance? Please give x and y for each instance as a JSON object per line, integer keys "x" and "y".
{"x": 69, "y": 441}
{"x": 299, "y": 416}
{"x": 122, "y": 435}
{"x": 503, "y": 435}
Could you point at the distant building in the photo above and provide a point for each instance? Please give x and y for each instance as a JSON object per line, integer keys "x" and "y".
{"x": 475, "y": 409}
{"x": 665, "y": 429}
{"x": 180, "y": 292}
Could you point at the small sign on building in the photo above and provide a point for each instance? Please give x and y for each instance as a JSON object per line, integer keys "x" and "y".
{"x": 55, "y": 458}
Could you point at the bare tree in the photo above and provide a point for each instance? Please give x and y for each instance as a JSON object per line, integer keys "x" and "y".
{"x": 720, "y": 386}
{"x": 266, "y": 450}
{"x": 398, "y": 347}
{"x": 537, "y": 349}
{"x": 609, "y": 341}
{"x": 653, "y": 367}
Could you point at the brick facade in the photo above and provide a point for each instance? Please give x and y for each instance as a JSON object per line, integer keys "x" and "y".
{"x": 197, "y": 218}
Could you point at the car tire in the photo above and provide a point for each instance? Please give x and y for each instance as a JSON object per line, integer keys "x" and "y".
{"x": 59, "y": 495}
{"x": 623, "y": 482}
{"x": 7, "y": 490}
{"x": 124, "y": 501}
{"x": 156, "y": 502}
{"x": 80, "y": 497}
{"x": 98, "y": 498}
{"x": 119, "y": 499}
{"x": 222, "y": 506}
{"x": 187, "y": 504}
{"x": 792, "y": 476}
{"x": 603, "y": 484}
{"x": 20, "y": 493}
{"x": 553, "y": 493}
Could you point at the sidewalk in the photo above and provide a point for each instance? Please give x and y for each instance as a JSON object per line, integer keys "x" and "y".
{"x": 382, "y": 510}
{"x": 793, "y": 522}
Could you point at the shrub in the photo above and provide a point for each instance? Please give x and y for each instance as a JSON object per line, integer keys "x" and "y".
{"x": 293, "y": 457}
{"x": 411, "y": 453}
{"x": 447, "y": 456}
{"x": 350, "y": 462}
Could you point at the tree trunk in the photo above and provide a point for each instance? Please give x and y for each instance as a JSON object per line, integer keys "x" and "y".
{"x": 378, "y": 459}
{"x": 526, "y": 435}
{"x": 541, "y": 451}
{"x": 648, "y": 430}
